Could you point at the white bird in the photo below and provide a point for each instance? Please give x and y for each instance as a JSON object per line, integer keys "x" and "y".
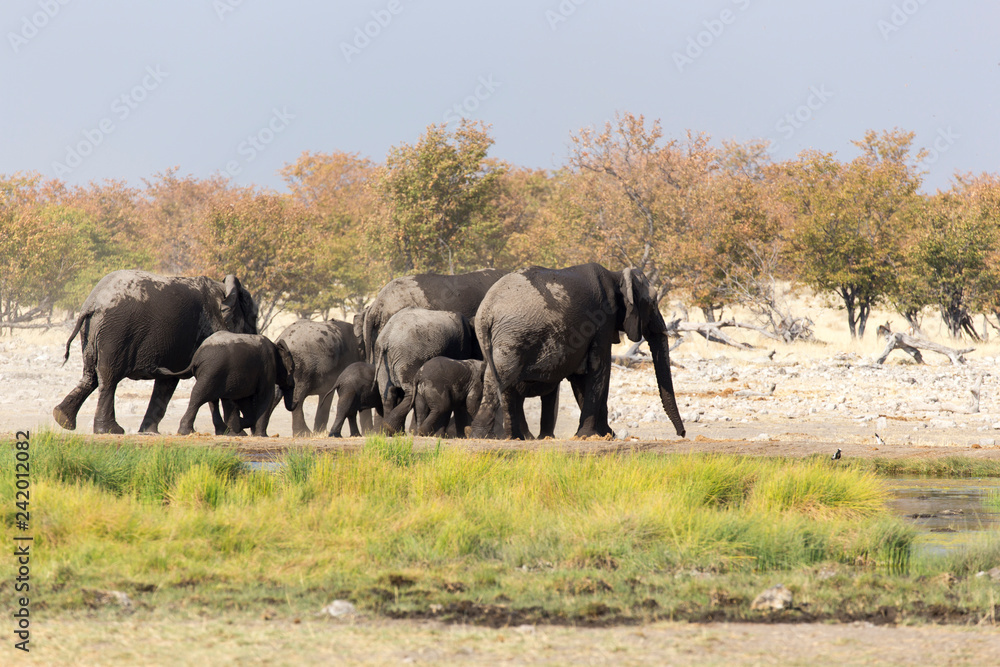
{"x": 836, "y": 456}
{"x": 879, "y": 440}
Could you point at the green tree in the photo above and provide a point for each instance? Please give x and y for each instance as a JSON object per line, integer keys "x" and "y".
{"x": 953, "y": 263}
{"x": 437, "y": 201}
{"x": 850, "y": 218}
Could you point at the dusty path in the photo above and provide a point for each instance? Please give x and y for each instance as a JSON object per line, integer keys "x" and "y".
{"x": 372, "y": 642}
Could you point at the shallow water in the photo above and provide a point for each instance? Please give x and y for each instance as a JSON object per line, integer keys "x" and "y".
{"x": 949, "y": 513}
{"x": 266, "y": 466}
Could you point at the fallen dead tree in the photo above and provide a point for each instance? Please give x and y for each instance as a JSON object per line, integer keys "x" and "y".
{"x": 912, "y": 346}
{"x": 712, "y": 331}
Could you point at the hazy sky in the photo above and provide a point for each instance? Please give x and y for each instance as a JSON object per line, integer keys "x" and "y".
{"x": 116, "y": 89}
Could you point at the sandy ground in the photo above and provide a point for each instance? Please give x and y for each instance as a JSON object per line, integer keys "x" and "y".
{"x": 373, "y": 642}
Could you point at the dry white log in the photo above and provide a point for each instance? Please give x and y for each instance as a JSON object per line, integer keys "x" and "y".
{"x": 912, "y": 346}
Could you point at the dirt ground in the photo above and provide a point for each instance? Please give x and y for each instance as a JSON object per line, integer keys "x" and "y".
{"x": 776, "y": 399}
{"x": 377, "y": 642}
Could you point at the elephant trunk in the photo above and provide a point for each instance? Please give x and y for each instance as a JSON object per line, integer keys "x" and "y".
{"x": 659, "y": 345}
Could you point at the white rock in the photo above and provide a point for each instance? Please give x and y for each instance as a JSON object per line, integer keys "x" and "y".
{"x": 775, "y": 598}
{"x": 339, "y": 609}
{"x": 942, "y": 423}
{"x": 881, "y": 424}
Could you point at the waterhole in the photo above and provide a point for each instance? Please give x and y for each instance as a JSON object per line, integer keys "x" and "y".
{"x": 949, "y": 513}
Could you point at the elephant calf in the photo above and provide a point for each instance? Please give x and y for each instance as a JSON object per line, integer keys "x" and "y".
{"x": 445, "y": 386}
{"x": 241, "y": 370}
{"x": 358, "y": 392}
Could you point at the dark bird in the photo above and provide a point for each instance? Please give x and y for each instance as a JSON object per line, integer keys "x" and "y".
{"x": 836, "y": 457}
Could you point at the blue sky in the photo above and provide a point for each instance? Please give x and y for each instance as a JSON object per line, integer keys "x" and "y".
{"x": 123, "y": 90}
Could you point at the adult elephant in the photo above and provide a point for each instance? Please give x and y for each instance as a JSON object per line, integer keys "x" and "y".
{"x": 410, "y": 338}
{"x": 460, "y": 294}
{"x": 134, "y": 323}
{"x": 538, "y": 326}
{"x": 321, "y": 350}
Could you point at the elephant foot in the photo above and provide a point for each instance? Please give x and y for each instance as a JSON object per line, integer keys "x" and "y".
{"x": 113, "y": 428}
{"x": 585, "y": 433}
{"x": 149, "y": 428}
{"x": 65, "y": 420}
{"x": 301, "y": 434}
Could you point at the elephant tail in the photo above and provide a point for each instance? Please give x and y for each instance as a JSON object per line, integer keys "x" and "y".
{"x": 483, "y": 334}
{"x": 184, "y": 374}
{"x": 382, "y": 366}
{"x": 84, "y": 317}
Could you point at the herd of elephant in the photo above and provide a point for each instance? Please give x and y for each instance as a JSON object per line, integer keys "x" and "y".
{"x": 468, "y": 348}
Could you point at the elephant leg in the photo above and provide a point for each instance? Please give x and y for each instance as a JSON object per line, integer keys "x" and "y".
{"x": 65, "y": 413}
{"x": 366, "y": 421}
{"x": 163, "y": 389}
{"x": 431, "y": 425}
{"x": 462, "y": 419}
{"x": 550, "y": 410}
{"x": 343, "y": 412}
{"x": 248, "y": 413}
{"x": 299, "y": 428}
{"x": 593, "y": 389}
{"x": 323, "y": 411}
{"x": 104, "y": 418}
{"x": 492, "y": 405}
{"x": 263, "y": 401}
{"x": 516, "y": 426}
{"x": 217, "y": 421}
{"x": 199, "y": 396}
{"x": 231, "y": 415}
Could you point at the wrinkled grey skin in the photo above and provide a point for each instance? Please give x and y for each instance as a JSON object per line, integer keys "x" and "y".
{"x": 321, "y": 351}
{"x": 444, "y": 387}
{"x": 242, "y": 371}
{"x": 459, "y": 294}
{"x": 409, "y": 339}
{"x": 134, "y": 323}
{"x": 538, "y": 326}
{"x": 357, "y": 393}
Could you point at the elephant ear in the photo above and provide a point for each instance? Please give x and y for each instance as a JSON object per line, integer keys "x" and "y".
{"x": 286, "y": 365}
{"x": 631, "y": 323}
{"x": 642, "y": 316}
{"x": 239, "y": 311}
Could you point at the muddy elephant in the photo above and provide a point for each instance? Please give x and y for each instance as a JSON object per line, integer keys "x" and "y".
{"x": 445, "y": 387}
{"x": 410, "y": 338}
{"x": 538, "y": 326}
{"x": 460, "y": 294}
{"x": 134, "y": 323}
{"x": 242, "y": 371}
{"x": 357, "y": 393}
{"x": 321, "y": 351}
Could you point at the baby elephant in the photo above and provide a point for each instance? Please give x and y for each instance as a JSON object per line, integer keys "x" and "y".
{"x": 358, "y": 392}
{"x": 444, "y": 386}
{"x": 241, "y": 370}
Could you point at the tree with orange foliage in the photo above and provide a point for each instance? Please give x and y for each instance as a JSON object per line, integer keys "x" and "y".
{"x": 262, "y": 238}
{"x": 174, "y": 211}
{"x": 332, "y": 188}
